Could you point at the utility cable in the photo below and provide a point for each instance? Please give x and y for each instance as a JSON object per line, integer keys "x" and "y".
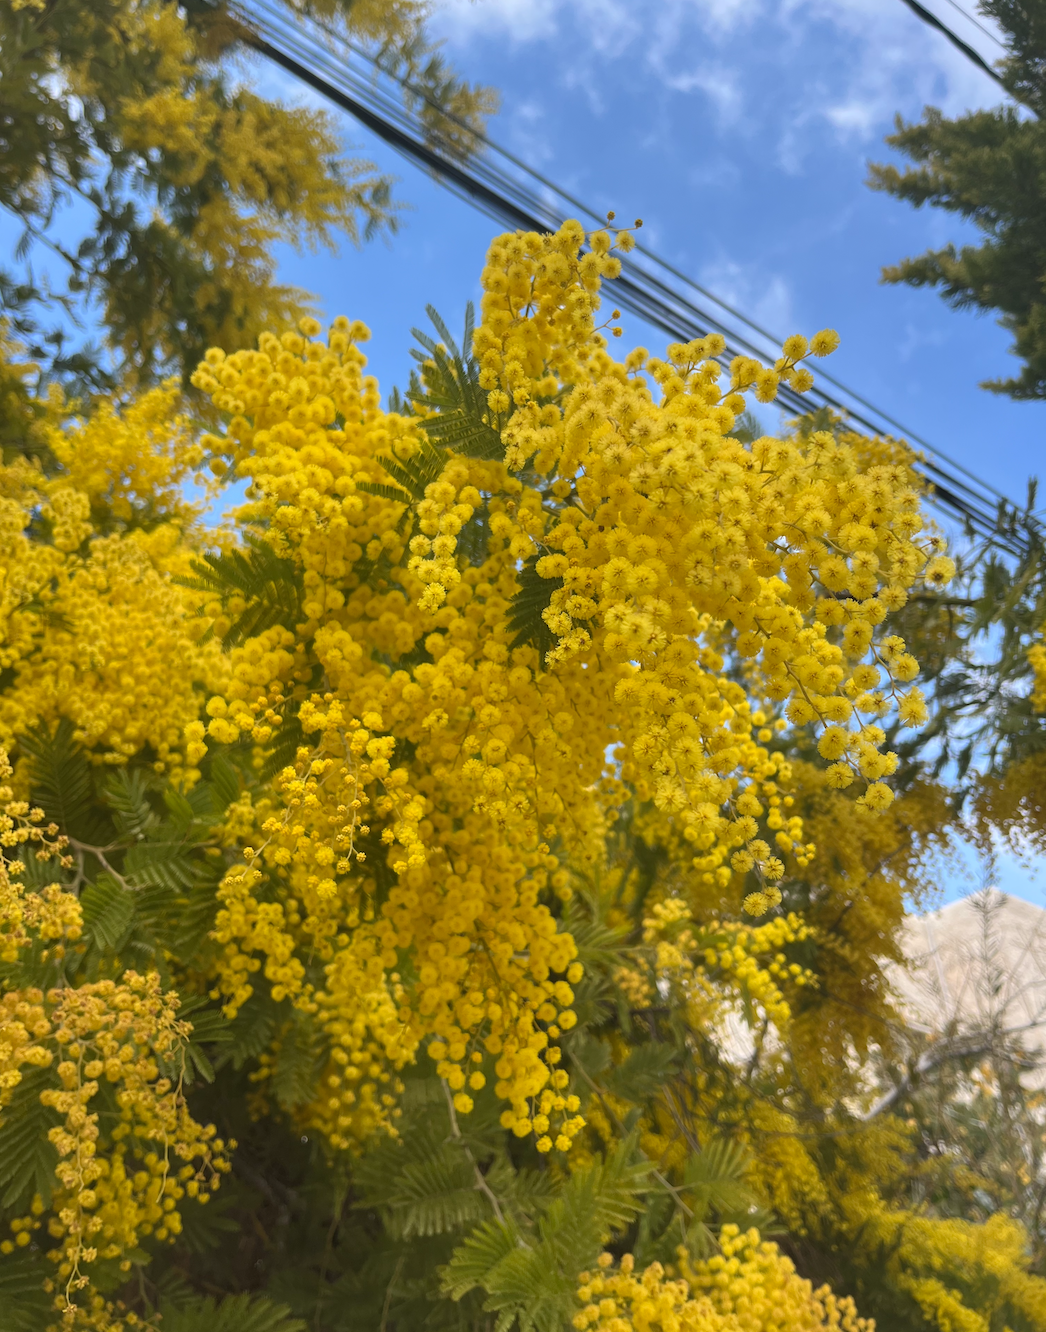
{"x": 533, "y": 201}
{"x": 479, "y": 182}
{"x": 920, "y": 11}
{"x": 923, "y": 13}
{"x": 977, "y": 23}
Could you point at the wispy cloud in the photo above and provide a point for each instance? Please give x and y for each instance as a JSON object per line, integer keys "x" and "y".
{"x": 767, "y": 298}
{"x": 519, "y": 20}
{"x": 866, "y": 59}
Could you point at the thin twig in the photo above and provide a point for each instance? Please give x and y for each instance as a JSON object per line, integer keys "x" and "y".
{"x": 481, "y": 1182}
{"x": 388, "y": 1295}
{"x": 99, "y": 854}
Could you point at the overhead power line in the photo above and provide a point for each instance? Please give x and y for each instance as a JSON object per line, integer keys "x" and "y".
{"x": 922, "y": 12}
{"x": 977, "y": 23}
{"x": 506, "y": 189}
{"x": 934, "y": 22}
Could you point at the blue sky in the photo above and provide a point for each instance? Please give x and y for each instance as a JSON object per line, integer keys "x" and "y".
{"x": 740, "y": 131}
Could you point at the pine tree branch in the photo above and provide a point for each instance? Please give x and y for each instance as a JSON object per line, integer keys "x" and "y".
{"x": 974, "y": 1045}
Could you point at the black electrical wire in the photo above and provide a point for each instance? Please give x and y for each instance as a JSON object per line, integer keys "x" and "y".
{"x": 506, "y": 200}
{"x": 920, "y": 11}
{"x": 532, "y": 203}
{"x": 977, "y": 23}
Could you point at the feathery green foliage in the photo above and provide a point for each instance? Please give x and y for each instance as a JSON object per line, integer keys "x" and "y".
{"x": 268, "y": 585}
{"x": 450, "y": 376}
{"x": 236, "y": 1313}
{"x": 526, "y": 617}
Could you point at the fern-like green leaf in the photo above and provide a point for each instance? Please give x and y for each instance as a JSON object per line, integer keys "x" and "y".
{"x": 590, "y": 1054}
{"x": 167, "y": 864}
{"x": 474, "y": 1262}
{"x": 270, "y": 585}
{"x": 284, "y": 747}
{"x": 532, "y": 598}
{"x": 27, "y": 1158}
{"x": 224, "y": 780}
{"x": 23, "y": 1299}
{"x": 127, "y": 795}
{"x": 205, "y": 1230}
{"x": 524, "y": 1193}
{"x": 715, "y": 1179}
{"x": 236, "y": 1313}
{"x": 642, "y": 1072}
{"x": 660, "y": 1229}
{"x": 297, "y": 1062}
{"x": 108, "y": 912}
{"x": 383, "y": 491}
{"x": 474, "y": 538}
{"x": 450, "y": 377}
{"x": 412, "y": 475}
{"x": 207, "y": 805}
{"x": 599, "y": 944}
{"x": 434, "y": 1197}
{"x": 39, "y": 873}
{"x": 184, "y": 930}
{"x": 61, "y": 783}
{"x": 250, "y": 1032}
{"x": 526, "y": 1292}
{"x": 181, "y": 812}
{"x": 530, "y": 1280}
{"x": 210, "y": 1027}
{"x": 595, "y": 1203}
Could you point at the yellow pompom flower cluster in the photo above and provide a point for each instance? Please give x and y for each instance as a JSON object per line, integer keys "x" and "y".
{"x": 51, "y": 915}
{"x": 23, "y": 1023}
{"x": 124, "y": 1033}
{"x": 749, "y": 1286}
{"x": 717, "y": 961}
{"x": 470, "y": 864}
{"x": 676, "y": 525}
{"x": 91, "y": 627}
{"x": 114, "y": 1183}
{"x": 932, "y": 1257}
{"x": 752, "y": 1283}
{"x": 122, "y": 460}
{"x": 447, "y": 748}
{"x": 1037, "y": 662}
{"x": 105, "y": 1046}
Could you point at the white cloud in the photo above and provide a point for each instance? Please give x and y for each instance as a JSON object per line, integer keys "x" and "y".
{"x": 765, "y": 297}
{"x": 720, "y": 19}
{"x": 521, "y": 20}
{"x": 894, "y": 61}
{"x": 795, "y": 82}
{"x": 916, "y": 338}
{"x": 882, "y": 57}
{"x": 720, "y": 84}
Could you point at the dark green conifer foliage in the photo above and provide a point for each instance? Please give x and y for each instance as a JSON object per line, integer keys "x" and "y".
{"x": 989, "y": 167}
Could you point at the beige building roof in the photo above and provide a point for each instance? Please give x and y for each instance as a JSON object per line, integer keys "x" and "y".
{"x": 979, "y": 966}
{"x": 974, "y": 982}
